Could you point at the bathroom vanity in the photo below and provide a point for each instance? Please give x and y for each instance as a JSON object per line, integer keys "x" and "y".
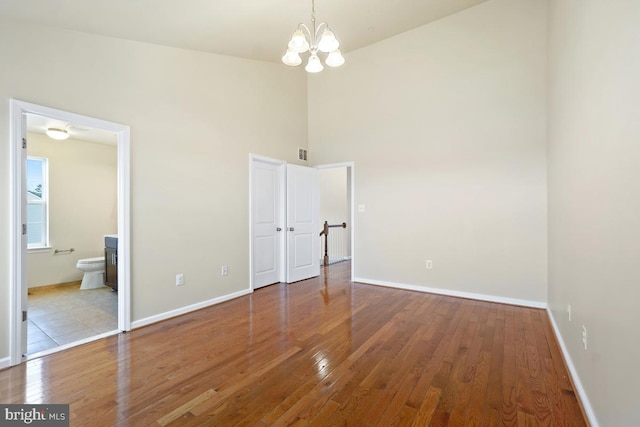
{"x": 111, "y": 261}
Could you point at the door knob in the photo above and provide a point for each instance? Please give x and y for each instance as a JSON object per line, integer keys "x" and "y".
{"x": 290, "y": 228}
{"x": 278, "y": 229}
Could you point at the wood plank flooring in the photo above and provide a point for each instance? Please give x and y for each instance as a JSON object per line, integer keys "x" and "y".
{"x": 321, "y": 352}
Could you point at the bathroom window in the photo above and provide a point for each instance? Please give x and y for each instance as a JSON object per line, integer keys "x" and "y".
{"x": 37, "y": 203}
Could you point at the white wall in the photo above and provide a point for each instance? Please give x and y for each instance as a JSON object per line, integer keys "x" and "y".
{"x": 82, "y": 205}
{"x": 594, "y": 196}
{"x": 194, "y": 119}
{"x": 446, "y": 125}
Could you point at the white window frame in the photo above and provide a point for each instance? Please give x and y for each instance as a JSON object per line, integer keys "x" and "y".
{"x": 44, "y": 243}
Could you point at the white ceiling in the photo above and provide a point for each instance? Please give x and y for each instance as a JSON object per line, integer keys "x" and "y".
{"x": 255, "y": 29}
{"x": 40, "y": 124}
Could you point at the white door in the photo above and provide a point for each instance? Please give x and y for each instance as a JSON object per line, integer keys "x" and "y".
{"x": 303, "y": 224}
{"x": 267, "y": 217}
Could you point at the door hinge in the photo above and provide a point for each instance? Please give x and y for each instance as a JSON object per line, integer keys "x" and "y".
{"x": 24, "y": 143}
{"x": 24, "y": 316}
{"x": 24, "y": 229}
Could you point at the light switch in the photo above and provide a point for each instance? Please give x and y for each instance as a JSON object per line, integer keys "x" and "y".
{"x": 361, "y": 207}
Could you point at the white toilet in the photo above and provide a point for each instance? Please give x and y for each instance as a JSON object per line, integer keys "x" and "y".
{"x": 93, "y": 269}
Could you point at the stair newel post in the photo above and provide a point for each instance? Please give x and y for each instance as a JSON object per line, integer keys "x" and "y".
{"x": 325, "y": 231}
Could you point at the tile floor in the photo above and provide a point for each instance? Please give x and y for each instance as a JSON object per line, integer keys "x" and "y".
{"x": 63, "y": 314}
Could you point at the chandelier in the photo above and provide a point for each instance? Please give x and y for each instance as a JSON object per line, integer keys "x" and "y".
{"x": 318, "y": 38}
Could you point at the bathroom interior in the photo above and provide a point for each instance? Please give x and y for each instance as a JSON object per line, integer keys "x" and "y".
{"x": 72, "y": 224}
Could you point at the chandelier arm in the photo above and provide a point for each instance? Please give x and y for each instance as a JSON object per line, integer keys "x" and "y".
{"x": 321, "y": 26}
{"x": 306, "y": 29}
{"x": 308, "y": 34}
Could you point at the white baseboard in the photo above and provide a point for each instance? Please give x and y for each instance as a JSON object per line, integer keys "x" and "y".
{"x": 447, "y": 292}
{"x": 184, "y": 310}
{"x": 586, "y": 405}
{"x": 5, "y": 362}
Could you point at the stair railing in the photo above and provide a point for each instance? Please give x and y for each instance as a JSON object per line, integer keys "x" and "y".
{"x": 325, "y": 233}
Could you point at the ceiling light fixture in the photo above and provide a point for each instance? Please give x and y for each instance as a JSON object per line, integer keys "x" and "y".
{"x": 316, "y": 39}
{"x": 59, "y": 134}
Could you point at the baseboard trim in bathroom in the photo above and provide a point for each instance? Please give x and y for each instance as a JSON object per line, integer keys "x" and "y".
{"x": 184, "y": 310}
{"x": 45, "y": 288}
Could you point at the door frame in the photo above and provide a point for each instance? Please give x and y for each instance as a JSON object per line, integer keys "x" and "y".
{"x": 18, "y": 252}
{"x": 254, "y": 158}
{"x": 351, "y": 174}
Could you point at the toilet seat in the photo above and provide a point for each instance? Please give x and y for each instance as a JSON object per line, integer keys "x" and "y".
{"x": 88, "y": 261}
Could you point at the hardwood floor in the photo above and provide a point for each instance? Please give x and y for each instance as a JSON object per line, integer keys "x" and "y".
{"x": 320, "y": 352}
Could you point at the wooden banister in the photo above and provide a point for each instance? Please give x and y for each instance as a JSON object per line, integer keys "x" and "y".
{"x": 325, "y": 233}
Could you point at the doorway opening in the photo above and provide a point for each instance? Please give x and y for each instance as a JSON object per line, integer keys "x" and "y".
{"x": 43, "y": 237}
{"x": 337, "y": 212}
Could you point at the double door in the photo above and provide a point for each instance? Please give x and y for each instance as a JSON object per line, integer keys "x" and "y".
{"x": 285, "y": 223}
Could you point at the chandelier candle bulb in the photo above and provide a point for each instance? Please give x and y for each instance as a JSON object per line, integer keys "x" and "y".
{"x": 318, "y": 38}
{"x": 299, "y": 42}
{"x": 314, "y": 65}
{"x": 335, "y": 59}
{"x": 292, "y": 58}
{"x": 328, "y": 42}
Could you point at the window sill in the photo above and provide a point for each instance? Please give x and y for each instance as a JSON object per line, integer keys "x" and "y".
{"x": 39, "y": 249}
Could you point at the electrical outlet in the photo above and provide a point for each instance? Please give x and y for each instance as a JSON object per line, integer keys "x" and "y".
{"x": 569, "y": 311}
{"x": 224, "y": 270}
{"x": 584, "y": 336}
{"x": 179, "y": 279}
{"x": 429, "y": 264}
